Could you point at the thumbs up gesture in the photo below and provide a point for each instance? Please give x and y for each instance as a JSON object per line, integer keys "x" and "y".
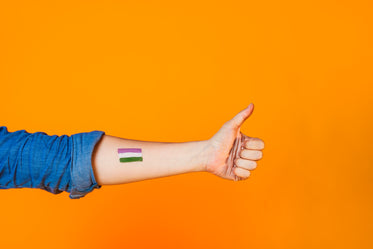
{"x": 231, "y": 154}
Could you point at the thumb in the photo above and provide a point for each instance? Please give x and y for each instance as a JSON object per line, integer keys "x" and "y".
{"x": 238, "y": 120}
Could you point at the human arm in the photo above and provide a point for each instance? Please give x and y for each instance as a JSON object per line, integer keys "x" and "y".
{"x": 72, "y": 163}
{"x": 228, "y": 154}
{"x": 160, "y": 159}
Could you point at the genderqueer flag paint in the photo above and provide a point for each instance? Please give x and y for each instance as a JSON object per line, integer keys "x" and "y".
{"x": 129, "y": 155}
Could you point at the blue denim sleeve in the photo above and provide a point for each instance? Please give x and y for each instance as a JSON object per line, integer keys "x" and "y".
{"x": 52, "y": 163}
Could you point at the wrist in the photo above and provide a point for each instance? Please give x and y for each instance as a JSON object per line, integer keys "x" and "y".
{"x": 201, "y": 156}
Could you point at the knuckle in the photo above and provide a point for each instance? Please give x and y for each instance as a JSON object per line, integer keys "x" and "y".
{"x": 254, "y": 165}
{"x": 235, "y": 125}
{"x": 230, "y": 125}
{"x": 247, "y": 174}
{"x": 262, "y": 144}
{"x": 259, "y": 143}
{"x": 260, "y": 154}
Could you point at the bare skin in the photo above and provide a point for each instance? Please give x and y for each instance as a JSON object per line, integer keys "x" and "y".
{"x": 228, "y": 154}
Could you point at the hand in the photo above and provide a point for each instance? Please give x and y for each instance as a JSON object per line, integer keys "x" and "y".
{"x": 231, "y": 154}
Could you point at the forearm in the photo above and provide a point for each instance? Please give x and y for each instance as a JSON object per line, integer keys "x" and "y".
{"x": 160, "y": 159}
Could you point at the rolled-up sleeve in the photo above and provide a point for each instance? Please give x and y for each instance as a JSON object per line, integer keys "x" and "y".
{"x": 82, "y": 178}
{"x": 49, "y": 162}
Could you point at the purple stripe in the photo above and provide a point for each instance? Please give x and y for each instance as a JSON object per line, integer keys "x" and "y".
{"x": 123, "y": 150}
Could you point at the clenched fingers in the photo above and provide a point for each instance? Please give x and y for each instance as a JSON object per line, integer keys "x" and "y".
{"x": 249, "y": 155}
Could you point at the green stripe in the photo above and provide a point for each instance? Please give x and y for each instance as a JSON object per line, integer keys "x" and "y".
{"x": 130, "y": 159}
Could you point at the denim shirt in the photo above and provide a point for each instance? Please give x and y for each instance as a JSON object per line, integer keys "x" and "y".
{"x": 52, "y": 163}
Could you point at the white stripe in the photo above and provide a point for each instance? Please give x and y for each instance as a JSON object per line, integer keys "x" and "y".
{"x": 130, "y": 154}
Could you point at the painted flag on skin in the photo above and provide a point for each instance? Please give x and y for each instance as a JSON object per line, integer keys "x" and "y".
{"x": 129, "y": 155}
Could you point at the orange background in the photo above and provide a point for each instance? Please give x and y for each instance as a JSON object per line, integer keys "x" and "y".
{"x": 175, "y": 71}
